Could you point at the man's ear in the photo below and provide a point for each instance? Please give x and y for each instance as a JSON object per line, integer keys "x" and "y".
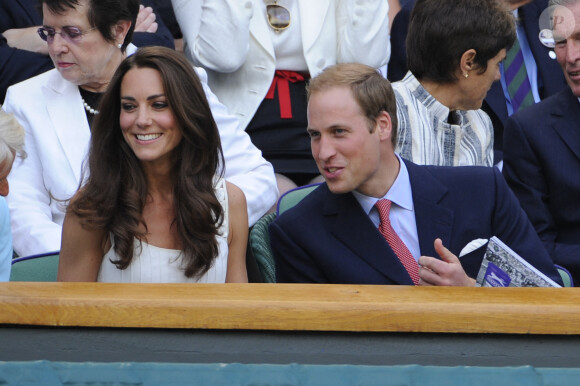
{"x": 120, "y": 30}
{"x": 467, "y": 62}
{"x": 384, "y": 126}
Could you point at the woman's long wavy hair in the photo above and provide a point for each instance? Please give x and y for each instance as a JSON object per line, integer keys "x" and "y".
{"x": 115, "y": 191}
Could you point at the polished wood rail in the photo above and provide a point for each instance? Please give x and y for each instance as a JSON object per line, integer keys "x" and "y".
{"x": 303, "y": 307}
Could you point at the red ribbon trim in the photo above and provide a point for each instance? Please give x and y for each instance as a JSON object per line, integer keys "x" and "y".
{"x": 282, "y": 79}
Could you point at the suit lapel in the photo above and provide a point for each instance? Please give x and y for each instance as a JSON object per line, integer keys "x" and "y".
{"x": 67, "y": 116}
{"x": 313, "y": 15}
{"x": 349, "y": 224}
{"x": 260, "y": 30}
{"x": 433, "y": 219}
{"x": 565, "y": 119}
{"x": 311, "y": 21}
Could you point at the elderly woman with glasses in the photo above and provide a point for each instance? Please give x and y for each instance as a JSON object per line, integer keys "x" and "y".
{"x": 11, "y": 145}
{"x": 23, "y": 54}
{"x": 259, "y": 55}
{"x": 87, "y": 40}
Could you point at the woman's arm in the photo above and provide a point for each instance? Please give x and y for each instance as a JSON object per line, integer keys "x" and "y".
{"x": 81, "y": 251}
{"x": 238, "y": 235}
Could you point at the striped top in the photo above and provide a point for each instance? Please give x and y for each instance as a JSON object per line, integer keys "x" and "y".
{"x": 425, "y": 137}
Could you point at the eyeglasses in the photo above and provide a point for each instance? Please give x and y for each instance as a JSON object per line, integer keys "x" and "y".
{"x": 278, "y": 16}
{"x": 70, "y": 34}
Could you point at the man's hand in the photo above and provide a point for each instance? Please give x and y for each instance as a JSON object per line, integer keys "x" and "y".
{"x": 447, "y": 271}
{"x": 146, "y": 20}
{"x": 26, "y": 39}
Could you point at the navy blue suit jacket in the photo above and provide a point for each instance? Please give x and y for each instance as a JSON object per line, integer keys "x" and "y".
{"x": 18, "y": 65}
{"x": 550, "y": 78}
{"x": 328, "y": 238}
{"x": 542, "y": 166}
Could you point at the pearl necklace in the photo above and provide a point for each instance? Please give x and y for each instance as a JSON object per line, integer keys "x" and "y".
{"x": 89, "y": 108}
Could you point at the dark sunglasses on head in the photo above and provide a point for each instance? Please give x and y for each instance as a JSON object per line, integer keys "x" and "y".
{"x": 278, "y": 16}
{"x": 70, "y": 34}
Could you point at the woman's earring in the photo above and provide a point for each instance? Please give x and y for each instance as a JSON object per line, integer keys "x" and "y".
{"x": 119, "y": 45}
{"x": 466, "y": 75}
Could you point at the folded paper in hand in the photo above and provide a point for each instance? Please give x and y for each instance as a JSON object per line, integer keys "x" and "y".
{"x": 502, "y": 267}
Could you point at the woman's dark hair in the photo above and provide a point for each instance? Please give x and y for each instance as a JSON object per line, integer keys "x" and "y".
{"x": 440, "y": 31}
{"x": 102, "y": 14}
{"x": 115, "y": 193}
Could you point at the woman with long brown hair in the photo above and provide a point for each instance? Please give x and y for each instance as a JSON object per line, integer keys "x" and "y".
{"x": 155, "y": 207}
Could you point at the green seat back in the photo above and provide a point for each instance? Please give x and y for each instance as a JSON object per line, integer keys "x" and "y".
{"x": 260, "y": 248}
{"x": 293, "y": 197}
{"x": 259, "y": 243}
{"x": 566, "y": 276}
{"x": 35, "y": 268}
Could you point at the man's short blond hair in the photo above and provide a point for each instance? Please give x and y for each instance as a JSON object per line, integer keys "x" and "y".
{"x": 372, "y": 92}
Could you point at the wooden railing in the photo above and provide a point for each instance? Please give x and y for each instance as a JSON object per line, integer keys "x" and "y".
{"x": 293, "y": 307}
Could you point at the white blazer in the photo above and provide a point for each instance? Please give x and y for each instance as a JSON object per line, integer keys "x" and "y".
{"x": 241, "y": 65}
{"x": 57, "y": 140}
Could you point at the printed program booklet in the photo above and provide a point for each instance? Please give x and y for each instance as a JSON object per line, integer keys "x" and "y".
{"x": 502, "y": 267}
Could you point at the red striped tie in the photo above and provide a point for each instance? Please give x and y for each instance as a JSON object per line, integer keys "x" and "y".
{"x": 397, "y": 245}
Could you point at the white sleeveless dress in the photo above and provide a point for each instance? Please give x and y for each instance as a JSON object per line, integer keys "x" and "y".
{"x": 152, "y": 264}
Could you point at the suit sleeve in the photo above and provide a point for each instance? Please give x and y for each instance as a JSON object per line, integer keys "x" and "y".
{"x": 363, "y": 32}
{"x": 213, "y": 27}
{"x": 398, "y": 62}
{"x": 511, "y": 225}
{"x": 244, "y": 165}
{"x": 18, "y": 65}
{"x": 293, "y": 264}
{"x": 526, "y": 177}
{"x": 162, "y": 37}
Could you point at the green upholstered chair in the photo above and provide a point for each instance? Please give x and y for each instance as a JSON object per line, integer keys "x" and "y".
{"x": 42, "y": 267}
{"x": 260, "y": 238}
{"x": 565, "y": 275}
{"x": 293, "y": 197}
{"x": 260, "y": 248}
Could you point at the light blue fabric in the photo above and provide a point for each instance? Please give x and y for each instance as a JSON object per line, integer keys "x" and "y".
{"x": 5, "y": 241}
{"x": 59, "y": 373}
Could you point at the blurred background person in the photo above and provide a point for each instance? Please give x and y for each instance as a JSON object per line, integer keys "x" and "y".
{"x": 260, "y": 54}
{"x": 167, "y": 215}
{"x": 454, "y": 51}
{"x": 87, "y": 40}
{"x": 23, "y": 54}
{"x": 11, "y": 145}
{"x": 542, "y": 150}
{"x": 536, "y": 61}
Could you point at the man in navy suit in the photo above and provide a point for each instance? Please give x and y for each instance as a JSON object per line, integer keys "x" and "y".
{"x": 540, "y": 61}
{"x": 332, "y": 237}
{"x": 542, "y": 151}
